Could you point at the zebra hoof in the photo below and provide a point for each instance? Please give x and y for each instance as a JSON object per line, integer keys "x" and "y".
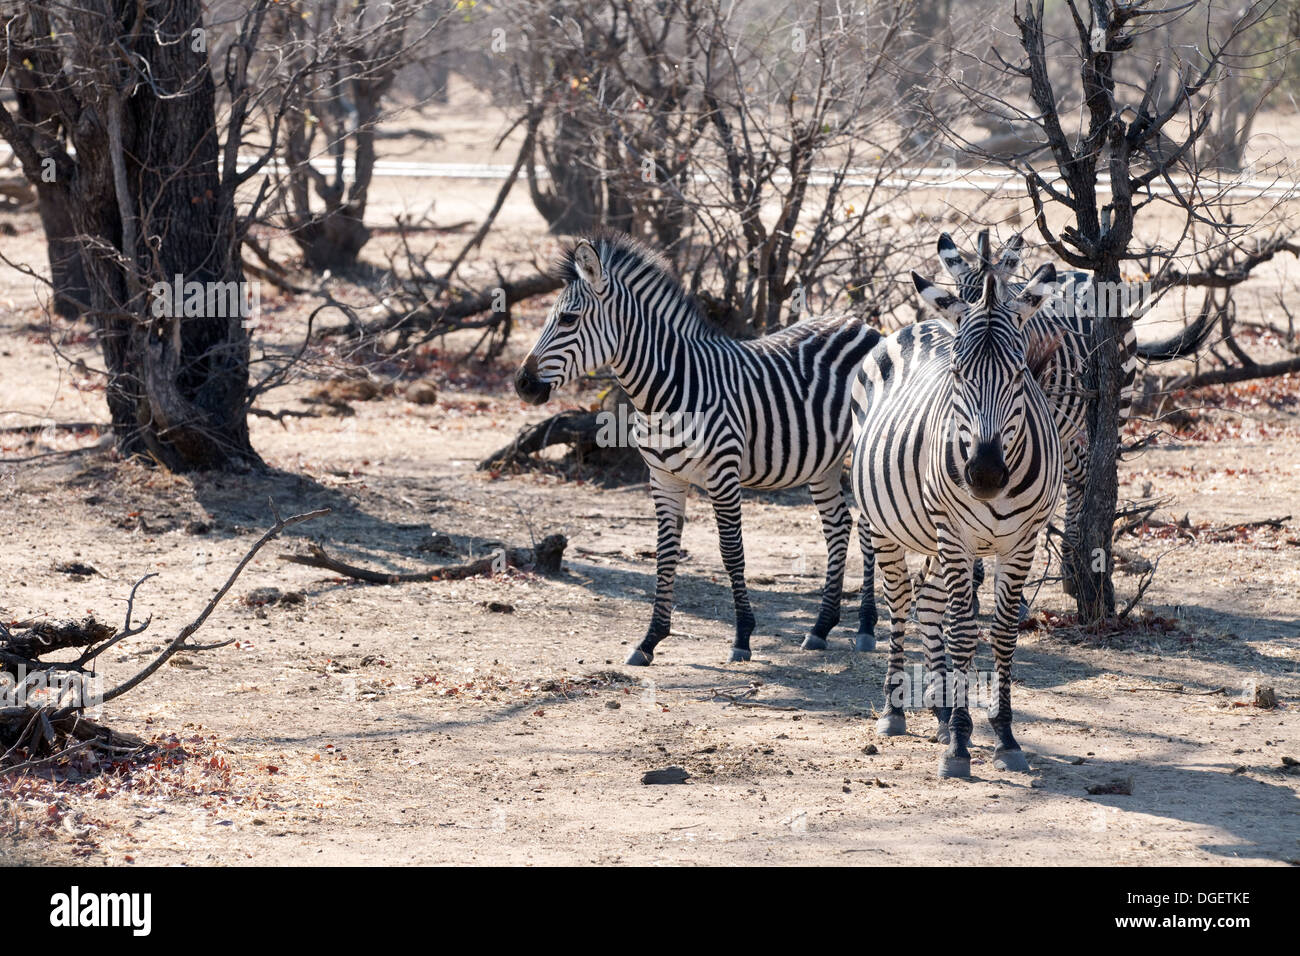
{"x": 739, "y": 654}
{"x": 958, "y": 767}
{"x": 814, "y": 643}
{"x": 1013, "y": 760}
{"x": 891, "y": 725}
{"x": 865, "y": 642}
{"x": 640, "y": 658}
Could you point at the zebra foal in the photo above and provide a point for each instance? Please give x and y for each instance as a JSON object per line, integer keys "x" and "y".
{"x": 770, "y": 413}
{"x": 956, "y": 455}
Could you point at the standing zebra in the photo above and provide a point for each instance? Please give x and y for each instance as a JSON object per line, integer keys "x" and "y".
{"x": 1067, "y": 319}
{"x": 1060, "y": 332}
{"x": 956, "y": 455}
{"x": 770, "y": 413}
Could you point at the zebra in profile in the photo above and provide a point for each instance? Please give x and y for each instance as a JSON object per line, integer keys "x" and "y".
{"x": 770, "y": 413}
{"x": 956, "y": 455}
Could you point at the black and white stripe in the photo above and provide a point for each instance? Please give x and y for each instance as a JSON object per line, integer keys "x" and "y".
{"x": 956, "y": 455}
{"x": 1063, "y": 329}
{"x": 770, "y": 413}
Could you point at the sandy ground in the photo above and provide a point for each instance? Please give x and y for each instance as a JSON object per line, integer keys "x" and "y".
{"x": 414, "y": 724}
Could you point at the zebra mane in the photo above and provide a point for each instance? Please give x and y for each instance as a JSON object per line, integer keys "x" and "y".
{"x": 621, "y": 253}
{"x": 617, "y": 250}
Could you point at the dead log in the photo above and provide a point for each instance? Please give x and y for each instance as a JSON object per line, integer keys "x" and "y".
{"x": 545, "y": 558}
{"x": 44, "y": 637}
{"x": 611, "y": 459}
{"x": 577, "y": 428}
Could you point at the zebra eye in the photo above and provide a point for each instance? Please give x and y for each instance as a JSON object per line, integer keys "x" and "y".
{"x": 568, "y": 318}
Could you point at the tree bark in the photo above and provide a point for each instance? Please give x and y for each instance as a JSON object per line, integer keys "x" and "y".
{"x": 147, "y": 187}
{"x": 1092, "y": 560}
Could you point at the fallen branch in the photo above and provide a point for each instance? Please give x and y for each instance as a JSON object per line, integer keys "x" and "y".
{"x": 42, "y": 728}
{"x": 1236, "y": 373}
{"x": 180, "y": 641}
{"x": 1248, "y": 525}
{"x": 423, "y": 315}
{"x": 544, "y": 559}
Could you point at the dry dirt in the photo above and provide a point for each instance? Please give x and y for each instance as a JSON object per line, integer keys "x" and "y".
{"x": 412, "y": 724}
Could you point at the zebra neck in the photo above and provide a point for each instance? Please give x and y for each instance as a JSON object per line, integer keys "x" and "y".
{"x": 663, "y": 346}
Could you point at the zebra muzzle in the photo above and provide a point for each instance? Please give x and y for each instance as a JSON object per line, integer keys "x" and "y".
{"x": 529, "y": 386}
{"x": 986, "y": 472}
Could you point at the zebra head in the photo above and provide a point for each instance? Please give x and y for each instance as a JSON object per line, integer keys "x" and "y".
{"x": 989, "y": 377}
{"x": 580, "y": 334}
{"x": 970, "y": 278}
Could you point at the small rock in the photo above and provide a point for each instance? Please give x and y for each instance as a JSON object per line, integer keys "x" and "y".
{"x": 79, "y": 568}
{"x": 871, "y": 750}
{"x": 1120, "y": 787}
{"x": 259, "y": 597}
{"x": 498, "y": 607}
{"x": 197, "y": 527}
{"x": 1078, "y": 761}
{"x": 289, "y": 598}
{"x": 1265, "y": 698}
{"x": 438, "y": 544}
{"x": 666, "y": 775}
{"x": 612, "y": 705}
{"x": 422, "y": 393}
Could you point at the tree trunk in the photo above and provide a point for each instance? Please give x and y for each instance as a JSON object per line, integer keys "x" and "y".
{"x": 67, "y": 274}
{"x": 148, "y": 184}
{"x": 1094, "y": 590}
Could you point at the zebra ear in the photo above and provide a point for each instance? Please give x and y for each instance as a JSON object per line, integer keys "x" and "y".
{"x": 938, "y": 299}
{"x": 950, "y": 257}
{"x": 587, "y": 262}
{"x": 1040, "y": 287}
{"x": 1009, "y": 254}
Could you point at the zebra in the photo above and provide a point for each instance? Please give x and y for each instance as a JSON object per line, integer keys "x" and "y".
{"x": 769, "y": 413}
{"x": 1064, "y": 328}
{"x": 956, "y": 455}
{"x": 1061, "y": 331}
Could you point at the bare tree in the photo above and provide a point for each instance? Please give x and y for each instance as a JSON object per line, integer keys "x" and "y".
{"x": 137, "y": 162}
{"x": 1124, "y": 148}
{"x": 758, "y": 144}
{"x": 338, "y": 64}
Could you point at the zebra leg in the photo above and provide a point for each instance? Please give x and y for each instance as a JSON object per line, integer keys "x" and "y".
{"x": 930, "y": 605}
{"x": 1076, "y": 474}
{"x": 960, "y": 631}
{"x": 1012, "y": 571}
{"x": 669, "y": 496}
{"x": 828, "y": 495}
{"x": 725, "y": 494}
{"x": 898, "y": 595}
{"x": 867, "y": 614}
